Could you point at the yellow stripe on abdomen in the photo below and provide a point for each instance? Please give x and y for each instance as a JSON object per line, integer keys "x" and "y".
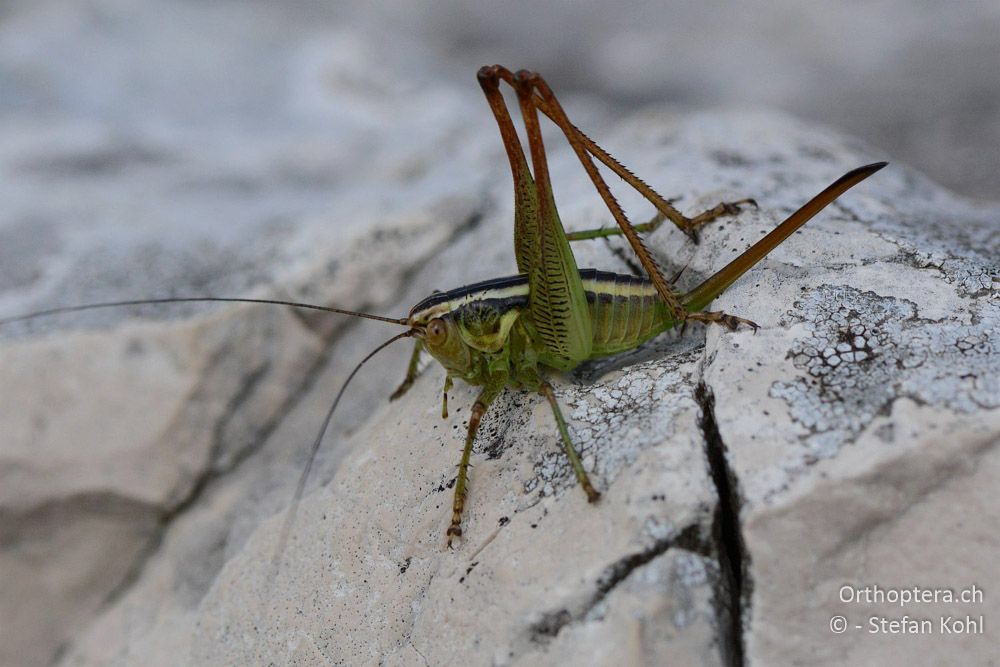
{"x": 625, "y": 312}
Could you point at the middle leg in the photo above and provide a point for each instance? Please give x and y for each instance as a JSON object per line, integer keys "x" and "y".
{"x": 574, "y": 459}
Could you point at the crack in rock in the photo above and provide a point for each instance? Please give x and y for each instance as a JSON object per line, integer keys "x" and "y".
{"x": 732, "y": 594}
{"x": 863, "y": 351}
{"x": 593, "y": 415}
{"x": 551, "y": 623}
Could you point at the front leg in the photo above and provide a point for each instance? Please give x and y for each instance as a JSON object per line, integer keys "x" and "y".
{"x": 412, "y": 370}
{"x": 479, "y": 408}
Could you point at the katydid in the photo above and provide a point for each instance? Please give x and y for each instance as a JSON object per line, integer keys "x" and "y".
{"x": 512, "y": 332}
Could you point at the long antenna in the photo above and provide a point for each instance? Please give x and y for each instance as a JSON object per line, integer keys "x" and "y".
{"x": 286, "y": 527}
{"x": 189, "y": 299}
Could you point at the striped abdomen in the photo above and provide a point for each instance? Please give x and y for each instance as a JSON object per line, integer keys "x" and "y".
{"x": 625, "y": 310}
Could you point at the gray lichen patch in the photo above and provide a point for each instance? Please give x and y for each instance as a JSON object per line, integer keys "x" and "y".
{"x": 969, "y": 264}
{"x": 936, "y": 231}
{"x": 612, "y": 421}
{"x": 863, "y": 351}
{"x": 973, "y": 277}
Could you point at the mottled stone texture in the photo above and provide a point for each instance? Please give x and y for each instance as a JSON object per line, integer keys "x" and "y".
{"x": 148, "y": 457}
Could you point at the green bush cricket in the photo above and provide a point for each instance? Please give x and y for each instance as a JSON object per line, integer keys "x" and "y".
{"x": 512, "y": 332}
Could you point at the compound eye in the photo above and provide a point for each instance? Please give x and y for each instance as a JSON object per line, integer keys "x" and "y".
{"x": 437, "y": 332}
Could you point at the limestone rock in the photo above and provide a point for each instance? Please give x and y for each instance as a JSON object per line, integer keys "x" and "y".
{"x": 747, "y": 478}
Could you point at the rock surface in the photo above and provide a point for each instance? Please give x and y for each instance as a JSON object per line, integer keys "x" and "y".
{"x": 148, "y": 457}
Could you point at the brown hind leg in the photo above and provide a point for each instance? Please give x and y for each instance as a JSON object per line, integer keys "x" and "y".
{"x": 583, "y": 145}
{"x": 533, "y": 93}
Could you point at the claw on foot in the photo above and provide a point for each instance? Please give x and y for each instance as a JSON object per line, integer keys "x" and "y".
{"x": 719, "y": 210}
{"x": 734, "y": 207}
{"x": 731, "y": 322}
{"x": 731, "y": 208}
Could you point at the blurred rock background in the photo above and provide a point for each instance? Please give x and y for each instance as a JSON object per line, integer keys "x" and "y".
{"x": 918, "y": 80}
{"x": 228, "y": 147}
